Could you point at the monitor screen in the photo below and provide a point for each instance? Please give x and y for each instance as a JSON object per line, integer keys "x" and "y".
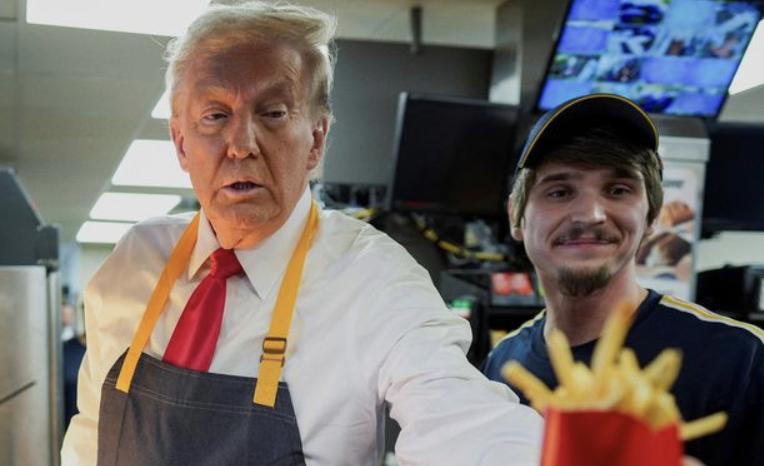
{"x": 673, "y": 57}
{"x": 734, "y": 189}
{"x": 452, "y": 156}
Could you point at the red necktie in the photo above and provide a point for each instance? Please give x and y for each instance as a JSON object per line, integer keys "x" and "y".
{"x": 193, "y": 341}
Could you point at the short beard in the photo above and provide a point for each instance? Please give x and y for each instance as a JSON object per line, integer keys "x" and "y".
{"x": 578, "y": 284}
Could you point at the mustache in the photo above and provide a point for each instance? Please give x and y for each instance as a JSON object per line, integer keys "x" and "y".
{"x": 576, "y": 232}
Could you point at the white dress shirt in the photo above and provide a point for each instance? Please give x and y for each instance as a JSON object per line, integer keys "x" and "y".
{"x": 368, "y": 328}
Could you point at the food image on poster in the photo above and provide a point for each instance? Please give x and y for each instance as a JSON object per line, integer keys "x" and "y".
{"x": 665, "y": 261}
{"x": 664, "y": 249}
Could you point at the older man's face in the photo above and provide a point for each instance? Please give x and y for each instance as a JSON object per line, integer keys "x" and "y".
{"x": 246, "y": 135}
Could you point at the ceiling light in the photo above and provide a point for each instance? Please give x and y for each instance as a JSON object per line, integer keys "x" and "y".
{"x": 102, "y": 232}
{"x": 151, "y": 163}
{"x": 167, "y": 17}
{"x": 749, "y": 73}
{"x": 162, "y": 108}
{"x": 133, "y": 206}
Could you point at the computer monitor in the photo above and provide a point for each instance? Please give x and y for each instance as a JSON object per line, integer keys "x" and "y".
{"x": 673, "y": 57}
{"x": 452, "y": 156}
{"x": 734, "y": 187}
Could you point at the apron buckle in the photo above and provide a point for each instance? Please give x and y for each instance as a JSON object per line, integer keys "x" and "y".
{"x": 274, "y": 349}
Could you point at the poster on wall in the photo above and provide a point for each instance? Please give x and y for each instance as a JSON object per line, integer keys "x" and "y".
{"x": 665, "y": 260}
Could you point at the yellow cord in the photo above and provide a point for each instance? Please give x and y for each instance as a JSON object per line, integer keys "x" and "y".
{"x": 456, "y": 249}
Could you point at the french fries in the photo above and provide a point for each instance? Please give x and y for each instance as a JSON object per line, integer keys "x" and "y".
{"x": 703, "y": 426}
{"x": 536, "y": 390}
{"x": 615, "y": 381}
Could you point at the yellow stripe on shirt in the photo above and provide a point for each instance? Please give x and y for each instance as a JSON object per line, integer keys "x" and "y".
{"x": 525, "y": 325}
{"x": 708, "y": 316}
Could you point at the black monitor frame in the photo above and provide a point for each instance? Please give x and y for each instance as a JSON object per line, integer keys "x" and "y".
{"x": 497, "y": 211}
{"x": 735, "y": 187}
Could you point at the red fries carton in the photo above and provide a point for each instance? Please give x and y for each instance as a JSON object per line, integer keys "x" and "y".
{"x": 607, "y": 438}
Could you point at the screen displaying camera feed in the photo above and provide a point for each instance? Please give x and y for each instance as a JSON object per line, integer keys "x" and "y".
{"x": 675, "y": 57}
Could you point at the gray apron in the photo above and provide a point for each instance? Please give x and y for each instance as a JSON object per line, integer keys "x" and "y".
{"x": 175, "y": 416}
{"x": 155, "y": 414}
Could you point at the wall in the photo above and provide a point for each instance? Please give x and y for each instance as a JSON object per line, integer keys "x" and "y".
{"x": 78, "y": 264}
{"x": 731, "y": 247}
{"x": 745, "y": 106}
{"x": 91, "y": 258}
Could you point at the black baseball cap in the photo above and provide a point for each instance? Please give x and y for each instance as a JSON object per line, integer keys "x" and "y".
{"x": 577, "y": 115}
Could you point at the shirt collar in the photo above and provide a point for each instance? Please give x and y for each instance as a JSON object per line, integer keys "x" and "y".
{"x": 264, "y": 263}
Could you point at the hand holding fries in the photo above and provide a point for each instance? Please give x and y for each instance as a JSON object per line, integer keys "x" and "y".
{"x": 614, "y": 383}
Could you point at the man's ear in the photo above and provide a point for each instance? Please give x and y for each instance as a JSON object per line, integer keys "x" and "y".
{"x": 515, "y": 231}
{"x": 319, "y": 132}
{"x": 178, "y": 140}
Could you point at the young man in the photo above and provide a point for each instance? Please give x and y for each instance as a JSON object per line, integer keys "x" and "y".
{"x": 586, "y": 193}
{"x": 274, "y": 333}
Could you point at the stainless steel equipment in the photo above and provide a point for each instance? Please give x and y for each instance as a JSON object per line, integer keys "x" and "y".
{"x": 30, "y": 345}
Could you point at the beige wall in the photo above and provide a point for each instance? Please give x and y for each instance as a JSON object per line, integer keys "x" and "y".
{"x": 91, "y": 258}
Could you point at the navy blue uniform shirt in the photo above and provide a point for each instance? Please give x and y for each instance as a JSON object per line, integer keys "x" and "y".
{"x": 722, "y": 370}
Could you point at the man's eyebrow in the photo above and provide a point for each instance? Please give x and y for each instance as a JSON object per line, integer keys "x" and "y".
{"x": 559, "y": 176}
{"x": 616, "y": 173}
{"x": 281, "y": 89}
{"x": 626, "y": 173}
{"x": 211, "y": 88}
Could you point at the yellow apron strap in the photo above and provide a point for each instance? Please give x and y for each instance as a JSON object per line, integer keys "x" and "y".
{"x": 176, "y": 265}
{"x": 274, "y": 345}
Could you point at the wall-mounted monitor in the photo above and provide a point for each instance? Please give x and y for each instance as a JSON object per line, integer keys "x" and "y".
{"x": 734, "y": 188}
{"x": 672, "y": 57}
{"x": 452, "y": 156}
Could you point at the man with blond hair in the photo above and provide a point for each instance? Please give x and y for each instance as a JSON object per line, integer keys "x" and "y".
{"x": 264, "y": 331}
